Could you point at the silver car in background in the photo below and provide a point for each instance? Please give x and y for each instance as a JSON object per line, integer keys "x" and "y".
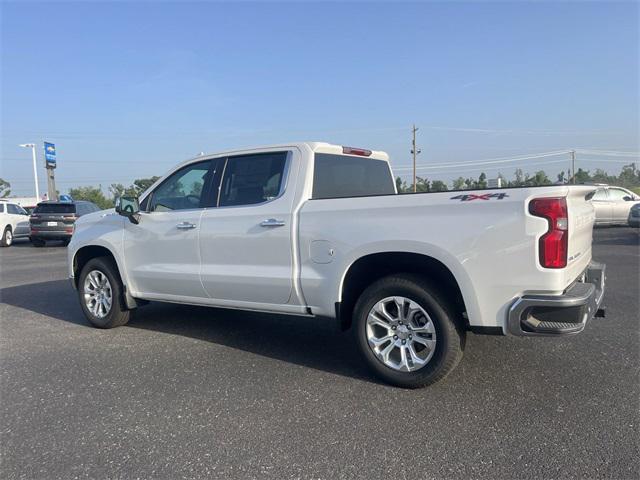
{"x": 612, "y": 205}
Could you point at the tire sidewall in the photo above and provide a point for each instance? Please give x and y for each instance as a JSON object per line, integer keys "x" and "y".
{"x": 7, "y": 237}
{"x": 424, "y": 295}
{"x": 104, "y": 266}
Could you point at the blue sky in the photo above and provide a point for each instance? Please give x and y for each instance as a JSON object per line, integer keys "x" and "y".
{"x": 128, "y": 89}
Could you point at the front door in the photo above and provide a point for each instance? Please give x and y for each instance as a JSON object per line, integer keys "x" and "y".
{"x": 245, "y": 243}
{"x": 161, "y": 251}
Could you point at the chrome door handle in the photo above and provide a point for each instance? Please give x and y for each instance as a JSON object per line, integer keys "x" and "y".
{"x": 186, "y": 226}
{"x": 272, "y": 222}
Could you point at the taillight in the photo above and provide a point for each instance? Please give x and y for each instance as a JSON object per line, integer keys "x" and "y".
{"x": 356, "y": 151}
{"x": 553, "y": 245}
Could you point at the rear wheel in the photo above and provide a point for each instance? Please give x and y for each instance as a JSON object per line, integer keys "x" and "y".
{"x": 100, "y": 293}
{"x": 7, "y": 237}
{"x": 37, "y": 242}
{"x": 406, "y": 331}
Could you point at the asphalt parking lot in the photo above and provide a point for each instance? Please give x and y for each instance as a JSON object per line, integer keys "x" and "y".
{"x": 185, "y": 392}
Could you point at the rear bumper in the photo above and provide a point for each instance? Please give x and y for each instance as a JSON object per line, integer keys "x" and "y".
{"x": 50, "y": 235}
{"x": 566, "y": 314}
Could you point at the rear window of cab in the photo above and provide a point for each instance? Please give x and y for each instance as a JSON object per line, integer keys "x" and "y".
{"x": 339, "y": 176}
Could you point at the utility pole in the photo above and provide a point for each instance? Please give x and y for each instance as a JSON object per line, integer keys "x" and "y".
{"x": 573, "y": 165}
{"x": 51, "y": 185}
{"x": 35, "y": 167}
{"x": 414, "y": 151}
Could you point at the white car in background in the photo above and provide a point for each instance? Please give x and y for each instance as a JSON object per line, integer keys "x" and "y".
{"x": 612, "y": 205}
{"x": 15, "y": 222}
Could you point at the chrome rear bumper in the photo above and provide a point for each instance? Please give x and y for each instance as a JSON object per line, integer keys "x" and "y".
{"x": 566, "y": 314}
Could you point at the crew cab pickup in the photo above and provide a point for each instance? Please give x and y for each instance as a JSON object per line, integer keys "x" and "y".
{"x": 314, "y": 229}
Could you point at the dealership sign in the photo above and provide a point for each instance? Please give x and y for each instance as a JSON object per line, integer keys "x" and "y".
{"x": 50, "y": 154}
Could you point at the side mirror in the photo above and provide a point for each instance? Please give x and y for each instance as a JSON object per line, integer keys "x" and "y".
{"x": 128, "y": 207}
{"x": 627, "y": 198}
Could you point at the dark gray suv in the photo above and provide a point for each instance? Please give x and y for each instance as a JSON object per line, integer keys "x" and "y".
{"x": 55, "y": 220}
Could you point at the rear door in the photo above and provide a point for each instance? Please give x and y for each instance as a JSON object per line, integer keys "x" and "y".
{"x": 161, "y": 251}
{"x": 245, "y": 243}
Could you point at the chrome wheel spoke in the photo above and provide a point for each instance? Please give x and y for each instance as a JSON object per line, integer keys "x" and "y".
{"x": 400, "y": 333}
{"x": 98, "y": 295}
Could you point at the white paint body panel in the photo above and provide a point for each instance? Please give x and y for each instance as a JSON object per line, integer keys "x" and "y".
{"x": 230, "y": 260}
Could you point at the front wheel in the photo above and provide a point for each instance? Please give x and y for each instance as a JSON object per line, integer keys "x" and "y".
{"x": 405, "y": 330}
{"x": 7, "y": 237}
{"x": 100, "y": 293}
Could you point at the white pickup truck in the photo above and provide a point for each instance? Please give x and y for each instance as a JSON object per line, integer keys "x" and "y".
{"x": 319, "y": 230}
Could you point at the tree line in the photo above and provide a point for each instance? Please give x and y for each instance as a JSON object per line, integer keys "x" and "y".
{"x": 629, "y": 177}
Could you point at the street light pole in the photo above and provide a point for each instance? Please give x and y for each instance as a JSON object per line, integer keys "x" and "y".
{"x": 35, "y": 166}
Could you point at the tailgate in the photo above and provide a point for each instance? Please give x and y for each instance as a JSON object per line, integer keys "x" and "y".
{"x": 581, "y": 219}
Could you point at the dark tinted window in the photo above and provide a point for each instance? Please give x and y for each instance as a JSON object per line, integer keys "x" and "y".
{"x": 55, "y": 208}
{"x": 252, "y": 179}
{"x": 337, "y": 176}
{"x": 1, "y": 207}
{"x": 13, "y": 209}
{"x": 183, "y": 189}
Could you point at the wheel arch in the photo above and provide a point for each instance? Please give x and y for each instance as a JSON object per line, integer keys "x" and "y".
{"x": 84, "y": 254}
{"x": 374, "y": 266}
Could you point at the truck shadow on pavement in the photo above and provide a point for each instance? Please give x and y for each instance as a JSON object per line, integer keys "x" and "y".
{"x": 307, "y": 342}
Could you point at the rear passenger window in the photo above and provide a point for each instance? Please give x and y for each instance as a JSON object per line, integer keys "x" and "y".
{"x": 601, "y": 194}
{"x": 1, "y": 207}
{"x": 252, "y": 179}
{"x": 336, "y": 176}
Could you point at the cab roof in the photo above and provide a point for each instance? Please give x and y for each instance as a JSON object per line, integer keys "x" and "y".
{"x": 316, "y": 147}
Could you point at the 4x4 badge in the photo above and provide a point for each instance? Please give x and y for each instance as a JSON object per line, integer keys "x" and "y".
{"x": 484, "y": 196}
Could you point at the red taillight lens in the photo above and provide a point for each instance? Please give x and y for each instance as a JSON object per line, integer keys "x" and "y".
{"x": 554, "y": 244}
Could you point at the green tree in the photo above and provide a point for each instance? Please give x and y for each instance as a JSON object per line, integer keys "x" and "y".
{"x": 482, "y": 181}
{"x": 91, "y": 194}
{"x": 582, "y": 176}
{"x": 141, "y": 184}
{"x": 629, "y": 176}
{"x": 422, "y": 185}
{"x": 540, "y": 178}
{"x": 458, "y": 183}
{"x": 5, "y": 188}
{"x": 119, "y": 190}
{"x": 401, "y": 185}
{"x": 438, "y": 186}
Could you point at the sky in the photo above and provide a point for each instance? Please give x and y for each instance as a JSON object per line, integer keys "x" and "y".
{"x": 128, "y": 89}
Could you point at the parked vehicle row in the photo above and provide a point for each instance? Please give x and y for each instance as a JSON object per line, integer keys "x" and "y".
{"x": 319, "y": 230}
{"x": 48, "y": 221}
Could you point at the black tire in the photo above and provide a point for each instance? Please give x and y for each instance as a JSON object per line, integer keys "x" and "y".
{"x": 37, "y": 242}
{"x": 7, "y": 237}
{"x": 118, "y": 315}
{"x": 450, "y": 337}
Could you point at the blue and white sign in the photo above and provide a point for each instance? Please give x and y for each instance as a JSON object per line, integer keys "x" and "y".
{"x": 50, "y": 154}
